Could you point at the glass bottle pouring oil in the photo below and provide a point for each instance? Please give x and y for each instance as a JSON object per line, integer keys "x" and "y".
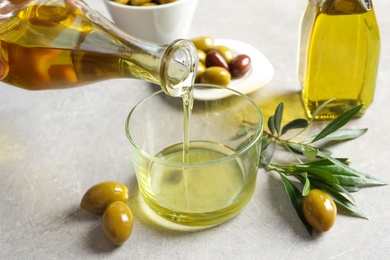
{"x": 50, "y": 44}
{"x": 338, "y": 55}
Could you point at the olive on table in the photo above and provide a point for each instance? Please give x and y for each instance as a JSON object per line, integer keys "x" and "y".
{"x": 225, "y": 52}
{"x": 117, "y": 222}
{"x": 216, "y": 75}
{"x": 213, "y": 58}
{"x": 99, "y": 196}
{"x": 203, "y": 43}
{"x": 240, "y": 65}
{"x": 319, "y": 210}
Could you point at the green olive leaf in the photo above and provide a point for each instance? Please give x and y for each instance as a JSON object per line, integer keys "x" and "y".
{"x": 343, "y": 169}
{"x": 296, "y": 148}
{"x": 345, "y": 177}
{"x": 338, "y": 122}
{"x": 350, "y": 178}
{"x": 265, "y": 141}
{"x": 351, "y": 188}
{"x": 278, "y": 117}
{"x": 325, "y": 151}
{"x": 295, "y": 124}
{"x": 296, "y": 199}
{"x": 271, "y": 124}
{"x": 345, "y": 134}
{"x": 309, "y": 152}
{"x": 324, "y": 162}
{"x": 319, "y": 172}
{"x": 288, "y": 169}
{"x": 306, "y": 186}
{"x": 243, "y": 131}
{"x": 267, "y": 151}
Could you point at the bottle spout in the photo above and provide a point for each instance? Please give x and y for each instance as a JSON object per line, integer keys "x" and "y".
{"x": 179, "y": 67}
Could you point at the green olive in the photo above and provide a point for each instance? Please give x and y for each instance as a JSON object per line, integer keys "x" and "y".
{"x": 216, "y": 75}
{"x": 123, "y": 2}
{"x": 161, "y": 2}
{"x": 319, "y": 210}
{"x": 99, "y": 196}
{"x": 117, "y": 222}
{"x": 201, "y": 70}
{"x": 149, "y": 4}
{"x": 202, "y": 56}
{"x": 203, "y": 43}
{"x": 139, "y": 2}
{"x": 226, "y": 53}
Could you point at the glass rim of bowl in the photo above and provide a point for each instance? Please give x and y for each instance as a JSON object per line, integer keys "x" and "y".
{"x": 233, "y": 156}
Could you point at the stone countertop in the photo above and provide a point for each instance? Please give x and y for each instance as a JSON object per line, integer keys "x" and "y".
{"x": 54, "y": 145}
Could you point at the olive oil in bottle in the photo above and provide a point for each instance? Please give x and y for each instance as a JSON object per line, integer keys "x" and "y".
{"x": 50, "y": 44}
{"x": 338, "y": 56}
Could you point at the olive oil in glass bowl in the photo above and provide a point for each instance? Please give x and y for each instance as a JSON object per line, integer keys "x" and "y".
{"x": 215, "y": 178}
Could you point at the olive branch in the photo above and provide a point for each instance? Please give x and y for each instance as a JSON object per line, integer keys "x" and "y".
{"x": 315, "y": 166}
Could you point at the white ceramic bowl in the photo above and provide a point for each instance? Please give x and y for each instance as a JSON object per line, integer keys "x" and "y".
{"x": 161, "y": 23}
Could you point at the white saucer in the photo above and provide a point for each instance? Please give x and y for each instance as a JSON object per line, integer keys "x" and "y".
{"x": 260, "y": 73}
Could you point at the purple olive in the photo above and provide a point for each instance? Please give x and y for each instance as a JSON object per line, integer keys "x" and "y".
{"x": 240, "y": 65}
{"x": 213, "y": 58}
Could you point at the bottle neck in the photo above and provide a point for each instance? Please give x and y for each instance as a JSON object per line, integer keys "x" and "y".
{"x": 342, "y": 7}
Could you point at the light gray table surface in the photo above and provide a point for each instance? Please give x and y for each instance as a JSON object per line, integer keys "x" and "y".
{"x": 55, "y": 144}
